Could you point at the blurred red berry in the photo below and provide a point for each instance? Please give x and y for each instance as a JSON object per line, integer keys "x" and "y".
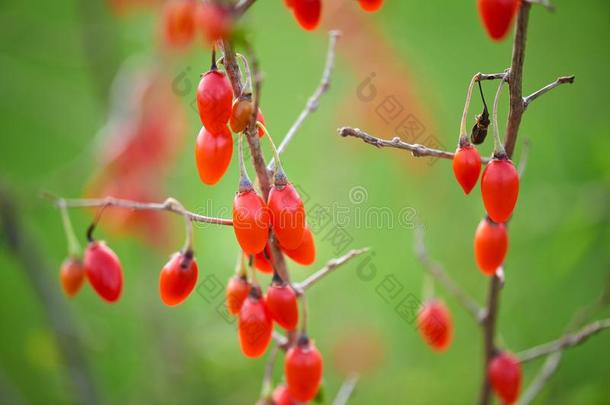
{"x": 497, "y": 16}
{"x": 307, "y": 13}
{"x": 281, "y": 396}
{"x": 435, "y": 325}
{"x": 179, "y": 22}
{"x": 370, "y": 5}
{"x": 303, "y": 367}
{"x": 215, "y": 22}
{"x": 504, "y": 373}
{"x": 72, "y": 276}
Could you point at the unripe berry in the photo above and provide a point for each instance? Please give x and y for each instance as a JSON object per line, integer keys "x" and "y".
{"x": 241, "y": 113}
{"x": 72, "y": 276}
{"x": 504, "y": 373}
{"x": 435, "y": 325}
{"x": 500, "y": 189}
{"x": 303, "y": 367}
{"x": 178, "y": 278}
{"x": 104, "y": 271}
{"x": 490, "y": 246}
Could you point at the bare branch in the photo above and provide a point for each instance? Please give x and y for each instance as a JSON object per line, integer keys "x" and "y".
{"x": 416, "y": 150}
{"x": 168, "y": 205}
{"x": 314, "y": 100}
{"x": 564, "y": 342}
{"x": 562, "y": 80}
{"x": 242, "y": 7}
{"x": 491, "y": 76}
{"x": 346, "y": 390}
{"x": 327, "y": 269}
{"x": 545, "y": 3}
{"x": 437, "y": 271}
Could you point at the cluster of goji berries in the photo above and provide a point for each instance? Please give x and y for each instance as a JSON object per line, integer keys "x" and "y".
{"x": 255, "y": 221}
{"x": 499, "y": 191}
{"x": 309, "y": 12}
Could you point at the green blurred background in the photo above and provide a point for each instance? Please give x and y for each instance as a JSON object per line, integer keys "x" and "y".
{"x": 58, "y": 60}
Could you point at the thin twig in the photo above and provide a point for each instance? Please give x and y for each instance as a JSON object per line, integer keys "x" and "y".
{"x": 437, "y": 271}
{"x": 314, "y": 100}
{"x": 545, "y": 3}
{"x": 267, "y": 385}
{"x": 564, "y": 342}
{"x": 281, "y": 341}
{"x": 168, "y": 205}
{"x": 332, "y": 265}
{"x": 346, "y": 390}
{"x": 416, "y": 150}
{"x": 492, "y": 76}
{"x": 525, "y": 152}
{"x": 562, "y": 80}
{"x": 242, "y": 7}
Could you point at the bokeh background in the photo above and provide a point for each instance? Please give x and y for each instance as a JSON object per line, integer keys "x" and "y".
{"x": 59, "y": 60}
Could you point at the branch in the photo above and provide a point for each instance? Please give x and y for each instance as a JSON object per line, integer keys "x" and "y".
{"x": 416, "y": 150}
{"x": 564, "y": 342}
{"x": 327, "y": 269}
{"x": 314, "y": 100}
{"x": 268, "y": 375}
{"x": 492, "y": 76}
{"x": 169, "y": 205}
{"x": 437, "y": 271}
{"x": 346, "y": 390}
{"x": 242, "y": 7}
{"x": 545, "y": 3}
{"x": 562, "y": 80}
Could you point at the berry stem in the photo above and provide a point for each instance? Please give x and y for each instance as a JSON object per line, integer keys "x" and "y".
{"x": 245, "y": 184}
{"x": 240, "y": 268}
{"x": 213, "y": 65}
{"x": 499, "y": 150}
{"x": 93, "y": 225}
{"x": 253, "y": 279}
{"x": 188, "y": 225}
{"x": 463, "y": 133}
{"x": 74, "y": 249}
{"x": 428, "y": 287}
{"x": 247, "y": 87}
{"x": 303, "y": 298}
{"x": 278, "y": 167}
